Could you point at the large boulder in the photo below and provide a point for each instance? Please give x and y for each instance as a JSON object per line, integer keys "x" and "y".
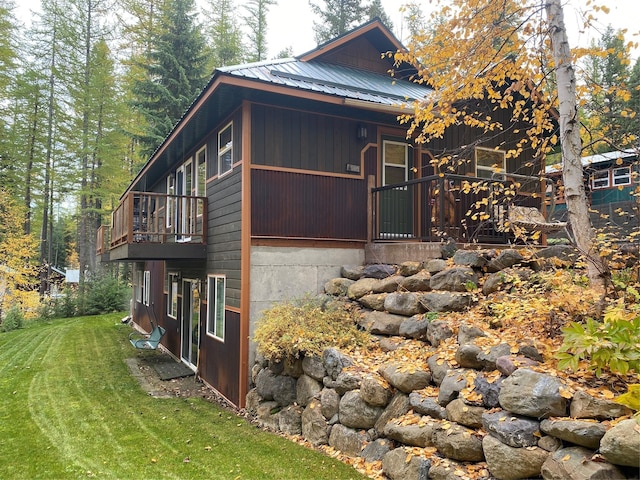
{"x": 458, "y": 442}
{"x": 420, "y": 282}
{"x": 456, "y": 279}
{"x": 574, "y": 463}
{"x": 313, "y": 366}
{"x": 405, "y": 379}
{"x": 446, "y": 301}
{"x": 334, "y": 361}
{"x": 382, "y": 323}
{"x": 375, "y": 391}
{"x": 512, "y": 430}
{"x": 348, "y": 440}
{"x": 306, "y": 389}
{"x": 463, "y": 414}
{"x": 314, "y": 426}
{"x": 354, "y": 412}
{"x": 417, "y": 433}
{"x": 425, "y": 405}
{"x": 511, "y": 463}
{"x": 399, "y": 465}
{"x": 621, "y": 444}
{"x": 584, "y": 405}
{"x": 580, "y": 432}
{"x": 403, "y": 303}
{"x": 532, "y": 394}
{"x": 290, "y": 420}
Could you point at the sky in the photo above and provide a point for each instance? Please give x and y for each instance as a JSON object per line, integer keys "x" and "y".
{"x": 290, "y": 22}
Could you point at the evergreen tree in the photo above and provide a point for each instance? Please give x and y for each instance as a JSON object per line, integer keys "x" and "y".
{"x": 337, "y": 17}
{"x": 605, "y": 109}
{"x": 377, "y": 10}
{"x": 174, "y": 73}
{"x": 224, "y": 35}
{"x": 256, "y": 21}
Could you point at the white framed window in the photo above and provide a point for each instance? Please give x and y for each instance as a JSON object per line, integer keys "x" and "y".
{"x": 600, "y": 180}
{"x": 171, "y": 190}
{"x": 621, "y": 176}
{"x": 138, "y": 285}
{"x": 215, "y": 305}
{"x": 489, "y": 162}
{"x": 395, "y": 162}
{"x": 225, "y": 149}
{"x": 146, "y": 287}
{"x": 173, "y": 280}
{"x": 201, "y": 176}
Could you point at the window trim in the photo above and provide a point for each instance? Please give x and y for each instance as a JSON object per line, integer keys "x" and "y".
{"x": 222, "y": 150}
{"x": 172, "y": 294}
{"x": 626, "y": 176}
{"x": 492, "y": 170}
{"x": 146, "y": 288}
{"x": 139, "y": 286}
{"x": 214, "y": 323}
{"x": 405, "y": 166}
{"x": 171, "y": 191}
{"x": 599, "y": 173}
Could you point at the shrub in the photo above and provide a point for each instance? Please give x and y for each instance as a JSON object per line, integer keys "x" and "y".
{"x": 306, "y": 327}
{"x": 13, "y": 320}
{"x": 104, "y": 294}
{"x": 611, "y": 344}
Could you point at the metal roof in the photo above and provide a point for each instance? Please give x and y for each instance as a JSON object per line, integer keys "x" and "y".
{"x": 331, "y": 79}
{"x": 596, "y": 159}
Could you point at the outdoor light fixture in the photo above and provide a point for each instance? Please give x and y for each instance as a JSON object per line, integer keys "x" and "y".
{"x": 361, "y": 133}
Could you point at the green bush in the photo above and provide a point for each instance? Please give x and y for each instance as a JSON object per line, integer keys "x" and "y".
{"x": 612, "y": 344}
{"x": 13, "y": 320}
{"x": 104, "y": 294}
{"x": 306, "y": 327}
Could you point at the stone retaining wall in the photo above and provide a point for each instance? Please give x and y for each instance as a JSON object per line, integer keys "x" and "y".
{"x": 423, "y": 423}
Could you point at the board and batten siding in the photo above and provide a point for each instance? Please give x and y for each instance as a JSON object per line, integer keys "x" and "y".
{"x": 286, "y": 138}
{"x": 224, "y": 231}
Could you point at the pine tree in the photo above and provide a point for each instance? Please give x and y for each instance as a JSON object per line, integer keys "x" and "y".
{"x": 337, "y": 17}
{"x": 174, "y": 73}
{"x": 223, "y": 34}
{"x": 376, "y": 10}
{"x": 605, "y": 110}
{"x": 256, "y": 21}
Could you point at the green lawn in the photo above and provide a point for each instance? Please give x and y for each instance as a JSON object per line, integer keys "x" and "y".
{"x": 71, "y": 409}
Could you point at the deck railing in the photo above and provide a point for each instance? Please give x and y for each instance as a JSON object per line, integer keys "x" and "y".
{"x": 434, "y": 208}
{"x": 158, "y": 218}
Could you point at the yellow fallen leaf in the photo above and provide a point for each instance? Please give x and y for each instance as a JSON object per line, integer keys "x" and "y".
{"x": 566, "y": 457}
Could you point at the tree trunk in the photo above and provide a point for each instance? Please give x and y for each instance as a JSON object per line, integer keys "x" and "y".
{"x": 572, "y": 171}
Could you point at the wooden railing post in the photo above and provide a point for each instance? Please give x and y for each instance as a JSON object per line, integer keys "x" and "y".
{"x": 371, "y": 183}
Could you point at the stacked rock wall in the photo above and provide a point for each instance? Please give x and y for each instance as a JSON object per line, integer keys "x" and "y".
{"x": 420, "y": 421}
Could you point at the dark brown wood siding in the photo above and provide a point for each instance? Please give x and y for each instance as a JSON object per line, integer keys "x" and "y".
{"x": 223, "y": 249}
{"x": 220, "y": 361}
{"x": 298, "y": 205}
{"x": 293, "y": 139}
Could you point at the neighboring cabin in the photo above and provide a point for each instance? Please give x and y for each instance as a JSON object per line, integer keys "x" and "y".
{"x": 611, "y": 181}
{"x": 277, "y": 175}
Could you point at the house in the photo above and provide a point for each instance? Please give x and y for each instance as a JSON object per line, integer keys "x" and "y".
{"x": 278, "y": 174}
{"x": 612, "y": 182}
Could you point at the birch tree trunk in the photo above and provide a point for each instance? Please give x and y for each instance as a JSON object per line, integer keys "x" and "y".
{"x": 572, "y": 171}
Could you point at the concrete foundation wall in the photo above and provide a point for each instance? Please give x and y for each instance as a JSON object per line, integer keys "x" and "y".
{"x": 286, "y": 273}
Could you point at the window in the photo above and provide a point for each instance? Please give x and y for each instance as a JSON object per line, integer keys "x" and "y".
{"x": 215, "y": 306}
{"x": 138, "y": 287}
{"x": 146, "y": 287}
{"x": 201, "y": 176}
{"x": 490, "y": 161}
{"x": 395, "y": 162}
{"x": 171, "y": 190}
{"x": 621, "y": 176}
{"x": 600, "y": 179}
{"x": 172, "y": 295}
{"x": 225, "y": 150}
{"x": 636, "y": 173}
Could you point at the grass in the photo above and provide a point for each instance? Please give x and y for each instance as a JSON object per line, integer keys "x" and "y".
{"x": 71, "y": 409}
